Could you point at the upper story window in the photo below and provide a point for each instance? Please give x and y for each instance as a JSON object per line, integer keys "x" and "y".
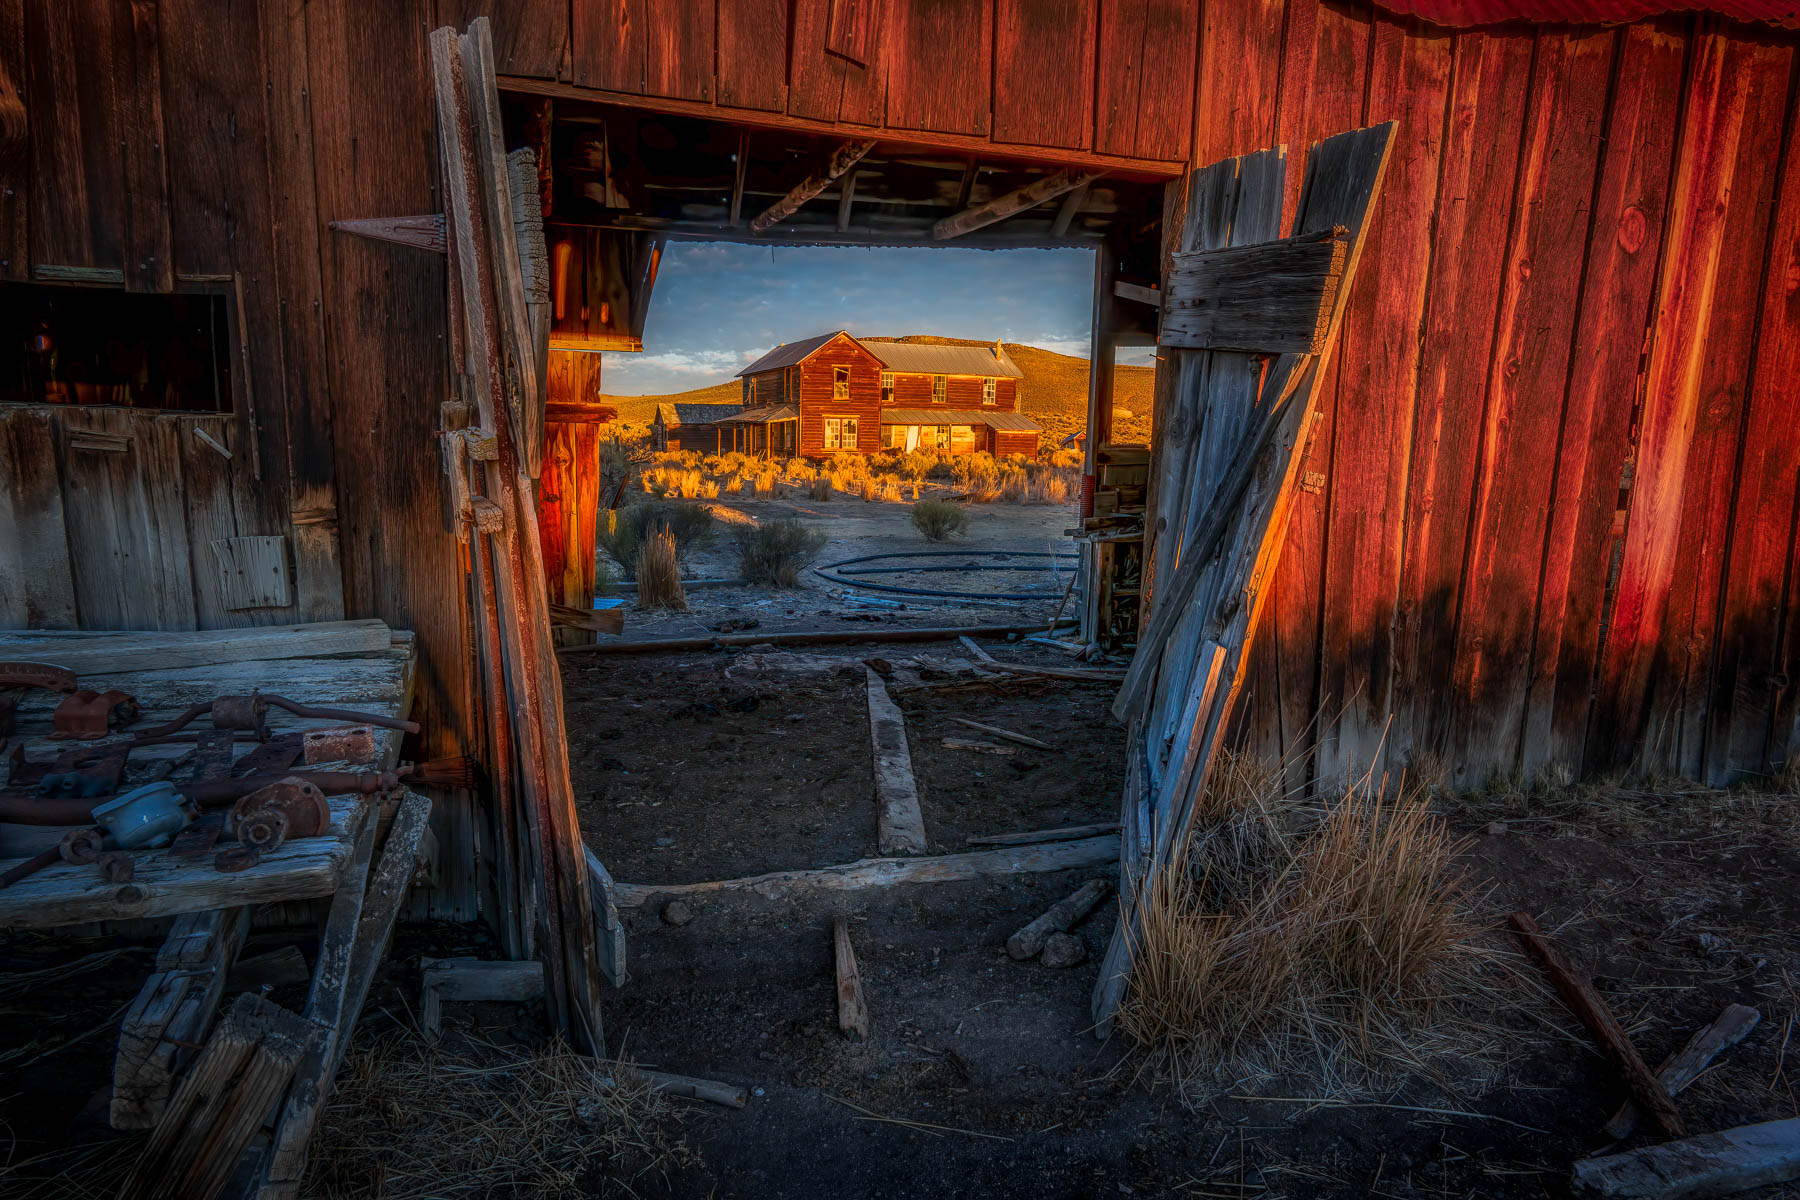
{"x": 940, "y": 388}
{"x": 840, "y": 383}
{"x": 989, "y": 388}
{"x": 64, "y": 344}
{"x": 749, "y": 390}
{"x": 887, "y": 387}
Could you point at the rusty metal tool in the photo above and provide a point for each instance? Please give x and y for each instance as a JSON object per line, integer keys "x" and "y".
{"x": 31, "y": 866}
{"x": 248, "y": 712}
{"x": 88, "y": 715}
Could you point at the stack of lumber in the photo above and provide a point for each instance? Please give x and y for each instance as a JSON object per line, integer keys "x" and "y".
{"x": 1228, "y": 453}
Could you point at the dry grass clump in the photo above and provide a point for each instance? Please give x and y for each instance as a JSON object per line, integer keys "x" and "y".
{"x": 659, "y": 573}
{"x": 798, "y": 471}
{"x": 1063, "y": 459}
{"x": 881, "y": 489}
{"x": 939, "y": 520}
{"x": 683, "y": 483}
{"x": 407, "y": 1121}
{"x": 978, "y": 472}
{"x": 776, "y": 552}
{"x": 819, "y": 488}
{"x": 914, "y": 465}
{"x": 1287, "y": 942}
{"x": 622, "y": 532}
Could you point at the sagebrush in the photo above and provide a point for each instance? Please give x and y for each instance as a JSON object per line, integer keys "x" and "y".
{"x": 940, "y": 520}
{"x": 622, "y": 531}
{"x": 776, "y": 552}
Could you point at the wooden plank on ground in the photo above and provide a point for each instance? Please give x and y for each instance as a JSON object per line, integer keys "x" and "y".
{"x": 1713, "y": 1164}
{"x": 1067, "y": 833}
{"x": 890, "y": 872}
{"x": 103, "y": 652}
{"x": 1686, "y": 1064}
{"x": 901, "y": 824}
{"x": 1006, "y": 734}
{"x": 1061, "y": 916}
{"x": 853, "y": 1009}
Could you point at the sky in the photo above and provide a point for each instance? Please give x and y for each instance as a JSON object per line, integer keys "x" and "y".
{"x": 718, "y": 306}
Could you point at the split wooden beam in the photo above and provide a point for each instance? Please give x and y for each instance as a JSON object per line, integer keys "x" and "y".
{"x": 892, "y": 872}
{"x": 730, "y": 1095}
{"x": 1713, "y": 1164}
{"x": 900, "y": 822}
{"x": 853, "y": 1009}
{"x": 1269, "y": 298}
{"x": 172, "y": 1012}
{"x": 1049, "y": 187}
{"x": 1006, "y": 734}
{"x": 1578, "y": 992}
{"x": 222, "y": 1102}
{"x": 847, "y": 155}
{"x": 1686, "y": 1065}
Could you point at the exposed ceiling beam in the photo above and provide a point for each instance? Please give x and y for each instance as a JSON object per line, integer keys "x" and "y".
{"x": 967, "y": 188}
{"x": 1071, "y": 207}
{"x": 841, "y": 160}
{"x": 737, "y": 184}
{"x": 1014, "y": 202}
{"x": 846, "y": 197}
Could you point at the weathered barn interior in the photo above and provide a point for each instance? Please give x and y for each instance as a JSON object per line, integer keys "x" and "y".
{"x": 1542, "y": 516}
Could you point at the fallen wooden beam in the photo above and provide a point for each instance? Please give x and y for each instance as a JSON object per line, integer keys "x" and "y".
{"x": 1067, "y": 833}
{"x": 1006, "y": 734}
{"x": 730, "y": 1095}
{"x": 1713, "y": 1164}
{"x": 900, "y": 824}
{"x": 1016, "y": 201}
{"x": 1062, "y": 916}
{"x": 853, "y": 1010}
{"x": 888, "y": 872}
{"x": 222, "y": 1102}
{"x": 1686, "y": 1064}
{"x": 822, "y": 637}
{"x": 1578, "y": 992}
{"x": 842, "y": 159}
{"x": 978, "y": 747}
{"x": 1079, "y": 674}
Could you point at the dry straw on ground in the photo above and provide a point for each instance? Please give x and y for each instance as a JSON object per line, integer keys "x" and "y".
{"x": 410, "y": 1122}
{"x": 1321, "y": 944}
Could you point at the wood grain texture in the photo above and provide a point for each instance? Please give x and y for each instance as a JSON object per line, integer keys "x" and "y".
{"x": 1619, "y": 272}
{"x": 1044, "y": 73}
{"x": 1486, "y": 108}
{"x": 940, "y": 64}
{"x": 1522, "y": 414}
{"x": 900, "y": 824}
{"x": 1718, "y": 202}
{"x": 15, "y": 185}
{"x": 37, "y": 585}
{"x": 78, "y": 193}
{"x": 747, "y": 30}
{"x": 1144, "y": 78}
{"x": 1271, "y": 298}
{"x": 828, "y": 87}
{"x": 853, "y": 1008}
{"x": 531, "y": 37}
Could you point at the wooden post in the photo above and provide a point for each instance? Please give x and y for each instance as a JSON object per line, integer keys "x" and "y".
{"x": 853, "y": 1010}
{"x": 1100, "y": 377}
{"x": 569, "y": 483}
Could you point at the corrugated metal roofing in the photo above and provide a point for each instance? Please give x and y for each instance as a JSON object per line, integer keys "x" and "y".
{"x": 912, "y": 357}
{"x": 673, "y": 415}
{"x": 768, "y": 413}
{"x": 1462, "y": 13}
{"x": 960, "y": 416}
{"x": 925, "y": 359}
{"x": 788, "y": 353}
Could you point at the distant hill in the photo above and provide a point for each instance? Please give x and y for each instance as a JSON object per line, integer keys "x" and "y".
{"x": 1053, "y": 392}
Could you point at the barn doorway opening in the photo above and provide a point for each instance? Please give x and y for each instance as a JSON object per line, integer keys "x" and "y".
{"x": 693, "y": 766}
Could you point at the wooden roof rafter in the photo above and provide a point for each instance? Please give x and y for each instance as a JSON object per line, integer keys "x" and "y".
{"x": 1049, "y": 187}
{"x": 846, "y": 156}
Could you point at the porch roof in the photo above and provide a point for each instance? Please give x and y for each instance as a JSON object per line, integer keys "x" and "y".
{"x": 1013, "y": 421}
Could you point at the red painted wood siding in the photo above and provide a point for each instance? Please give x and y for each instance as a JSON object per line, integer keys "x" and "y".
{"x": 961, "y": 391}
{"x": 817, "y": 402}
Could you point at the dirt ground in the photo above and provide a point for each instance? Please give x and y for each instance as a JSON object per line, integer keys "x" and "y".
{"x": 981, "y": 1075}
{"x": 854, "y": 529}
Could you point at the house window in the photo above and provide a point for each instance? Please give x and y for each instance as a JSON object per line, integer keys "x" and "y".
{"x": 887, "y": 387}
{"x": 840, "y": 433}
{"x": 987, "y": 390}
{"x": 749, "y": 390}
{"x": 940, "y": 387}
{"x": 943, "y": 436}
{"x": 840, "y": 383}
{"x": 62, "y": 344}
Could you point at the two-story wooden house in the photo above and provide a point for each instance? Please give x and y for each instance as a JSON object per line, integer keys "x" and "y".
{"x": 835, "y": 393}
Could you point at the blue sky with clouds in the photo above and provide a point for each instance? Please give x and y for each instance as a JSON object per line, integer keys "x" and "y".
{"x": 720, "y": 305}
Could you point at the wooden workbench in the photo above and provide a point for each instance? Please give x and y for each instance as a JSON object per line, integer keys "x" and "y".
{"x": 363, "y": 868}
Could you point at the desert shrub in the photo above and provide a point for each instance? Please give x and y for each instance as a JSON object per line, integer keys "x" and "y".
{"x": 798, "y": 471}
{"x": 979, "y": 472}
{"x": 659, "y": 572}
{"x": 735, "y": 485}
{"x": 939, "y": 520}
{"x": 915, "y": 464}
{"x": 1053, "y": 487}
{"x": 1015, "y": 486}
{"x": 676, "y": 458}
{"x": 623, "y": 531}
{"x": 677, "y": 482}
{"x": 819, "y": 488}
{"x": 1286, "y": 941}
{"x": 775, "y": 552}
{"x": 850, "y": 466}
{"x": 708, "y": 490}
{"x": 1064, "y": 459}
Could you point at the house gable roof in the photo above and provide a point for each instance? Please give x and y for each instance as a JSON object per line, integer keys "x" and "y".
{"x": 913, "y": 358}
{"x": 675, "y": 415}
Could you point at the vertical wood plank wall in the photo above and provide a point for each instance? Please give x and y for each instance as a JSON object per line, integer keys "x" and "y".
{"x": 1547, "y": 518}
